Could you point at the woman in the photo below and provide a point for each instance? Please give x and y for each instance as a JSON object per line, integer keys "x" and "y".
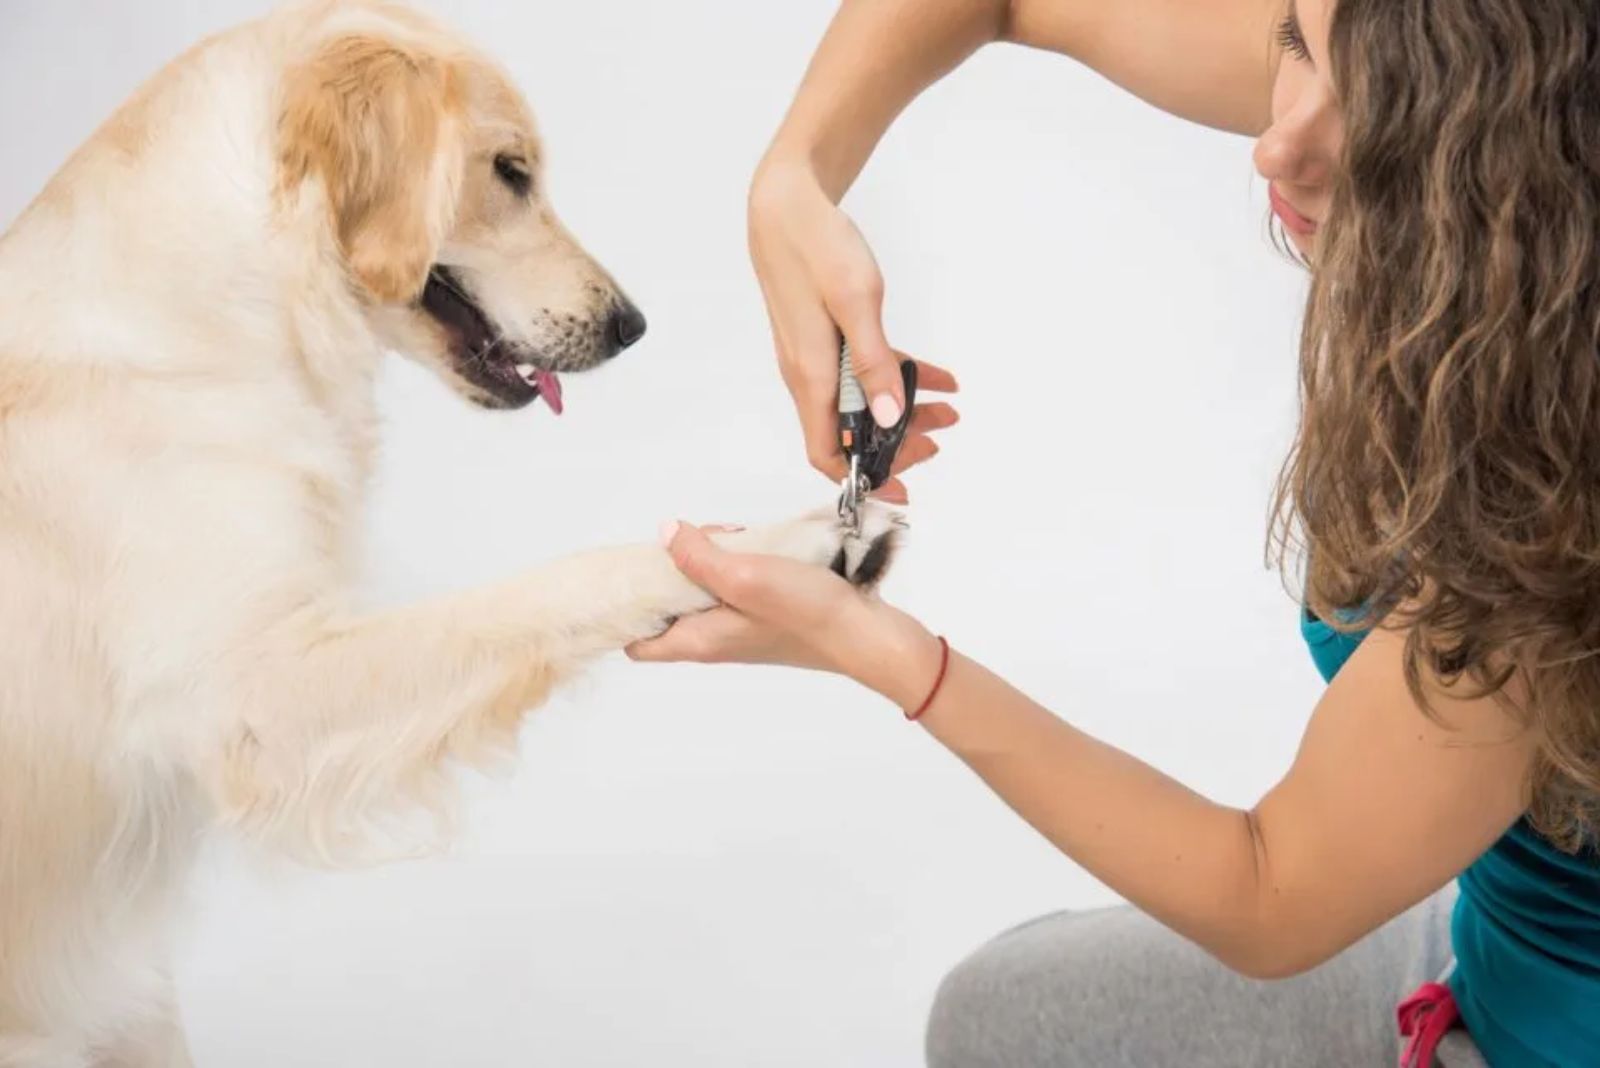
{"x": 1438, "y": 167}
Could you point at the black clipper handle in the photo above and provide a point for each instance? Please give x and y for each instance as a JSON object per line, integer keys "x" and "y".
{"x": 880, "y": 445}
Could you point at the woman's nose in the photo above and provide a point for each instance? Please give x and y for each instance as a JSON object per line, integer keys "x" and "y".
{"x": 1300, "y": 147}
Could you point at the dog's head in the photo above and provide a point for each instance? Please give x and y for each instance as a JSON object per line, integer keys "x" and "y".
{"x": 430, "y": 167}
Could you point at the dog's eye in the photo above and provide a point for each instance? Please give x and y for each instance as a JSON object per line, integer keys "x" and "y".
{"x": 514, "y": 172}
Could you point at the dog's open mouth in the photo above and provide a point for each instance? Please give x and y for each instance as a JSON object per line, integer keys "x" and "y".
{"x": 505, "y": 377}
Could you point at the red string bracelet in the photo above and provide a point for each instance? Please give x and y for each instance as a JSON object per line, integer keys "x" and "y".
{"x": 938, "y": 682}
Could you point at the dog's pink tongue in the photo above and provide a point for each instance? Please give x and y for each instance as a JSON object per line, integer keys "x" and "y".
{"x": 549, "y": 384}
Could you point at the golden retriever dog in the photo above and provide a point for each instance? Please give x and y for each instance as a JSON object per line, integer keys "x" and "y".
{"x": 194, "y": 310}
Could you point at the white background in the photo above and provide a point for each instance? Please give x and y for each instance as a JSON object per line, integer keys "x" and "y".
{"x": 694, "y": 866}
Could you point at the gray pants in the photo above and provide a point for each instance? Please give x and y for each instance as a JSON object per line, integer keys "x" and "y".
{"x": 1113, "y": 988}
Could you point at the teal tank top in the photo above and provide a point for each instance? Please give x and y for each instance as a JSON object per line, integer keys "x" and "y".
{"x": 1526, "y": 933}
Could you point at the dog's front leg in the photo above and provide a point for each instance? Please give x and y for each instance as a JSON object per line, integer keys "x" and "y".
{"x": 334, "y": 725}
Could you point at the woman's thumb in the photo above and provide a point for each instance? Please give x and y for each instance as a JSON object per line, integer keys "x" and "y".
{"x": 874, "y": 363}
{"x": 697, "y": 556}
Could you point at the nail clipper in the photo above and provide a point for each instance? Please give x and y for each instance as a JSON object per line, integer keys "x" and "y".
{"x": 869, "y": 449}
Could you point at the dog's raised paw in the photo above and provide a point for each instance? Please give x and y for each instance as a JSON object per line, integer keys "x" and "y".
{"x": 864, "y": 556}
{"x": 861, "y": 556}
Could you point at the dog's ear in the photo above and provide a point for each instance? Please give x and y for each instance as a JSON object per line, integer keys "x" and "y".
{"x": 380, "y": 125}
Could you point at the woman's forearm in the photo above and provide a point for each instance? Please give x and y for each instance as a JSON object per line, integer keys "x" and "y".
{"x": 875, "y": 58}
{"x": 1189, "y": 862}
{"x": 1384, "y": 803}
{"x": 1206, "y": 60}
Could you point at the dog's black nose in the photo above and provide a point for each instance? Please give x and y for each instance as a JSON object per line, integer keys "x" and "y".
{"x": 626, "y": 325}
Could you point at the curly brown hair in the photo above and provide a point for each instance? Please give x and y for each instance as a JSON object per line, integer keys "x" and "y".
{"x": 1446, "y": 474}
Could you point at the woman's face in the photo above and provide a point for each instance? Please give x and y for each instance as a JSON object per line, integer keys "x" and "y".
{"x": 1298, "y": 152}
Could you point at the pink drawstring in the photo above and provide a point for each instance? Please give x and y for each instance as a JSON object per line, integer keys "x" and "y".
{"x": 1425, "y": 1017}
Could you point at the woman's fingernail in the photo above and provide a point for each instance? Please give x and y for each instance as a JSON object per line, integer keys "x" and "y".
{"x": 668, "y": 532}
{"x": 886, "y": 410}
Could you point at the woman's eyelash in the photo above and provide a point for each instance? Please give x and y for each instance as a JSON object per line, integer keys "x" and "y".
{"x": 1290, "y": 39}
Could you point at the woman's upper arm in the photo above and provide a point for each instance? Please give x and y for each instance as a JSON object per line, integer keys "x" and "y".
{"x": 1383, "y": 804}
{"x": 1211, "y": 61}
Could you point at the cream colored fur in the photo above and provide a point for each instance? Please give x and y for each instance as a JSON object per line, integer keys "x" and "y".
{"x": 194, "y": 311}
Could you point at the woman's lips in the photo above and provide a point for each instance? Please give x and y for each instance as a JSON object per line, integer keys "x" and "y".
{"x": 1292, "y": 220}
